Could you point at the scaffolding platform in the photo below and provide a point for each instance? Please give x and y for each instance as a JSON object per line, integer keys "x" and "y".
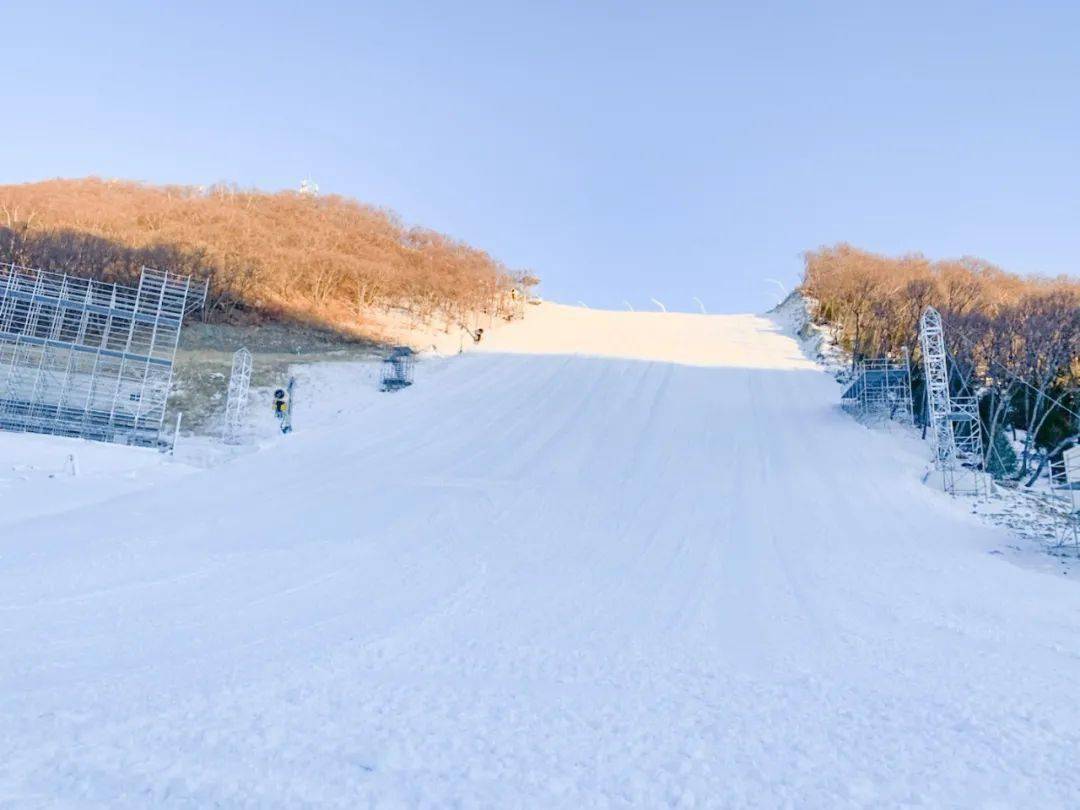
{"x": 87, "y": 358}
{"x": 879, "y": 390}
{"x": 1065, "y": 485}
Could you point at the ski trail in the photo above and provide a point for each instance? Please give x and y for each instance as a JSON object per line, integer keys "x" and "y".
{"x": 608, "y": 559}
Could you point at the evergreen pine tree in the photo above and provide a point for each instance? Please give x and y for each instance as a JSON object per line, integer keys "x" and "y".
{"x": 1002, "y": 458}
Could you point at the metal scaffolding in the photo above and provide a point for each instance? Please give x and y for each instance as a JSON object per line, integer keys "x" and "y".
{"x": 86, "y": 358}
{"x": 880, "y": 390}
{"x": 236, "y": 402}
{"x": 1065, "y": 484}
{"x": 955, "y": 429}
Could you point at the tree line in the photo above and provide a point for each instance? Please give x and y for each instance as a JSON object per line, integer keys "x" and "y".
{"x": 1013, "y": 341}
{"x": 286, "y": 254}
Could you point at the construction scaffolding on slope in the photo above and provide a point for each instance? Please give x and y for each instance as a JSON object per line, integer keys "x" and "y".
{"x": 236, "y": 401}
{"x": 1065, "y": 485}
{"x": 955, "y": 429}
{"x": 880, "y": 389}
{"x": 87, "y": 358}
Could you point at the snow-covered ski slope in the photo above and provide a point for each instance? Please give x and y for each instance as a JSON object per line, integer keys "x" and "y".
{"x": 611, "y": 560}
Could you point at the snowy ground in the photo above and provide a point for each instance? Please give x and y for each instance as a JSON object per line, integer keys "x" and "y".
{"x": 1039, "y": 530}
{"x": 613, "y": 560}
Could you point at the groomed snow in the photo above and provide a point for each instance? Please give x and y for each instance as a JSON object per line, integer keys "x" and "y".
{"x": 610, "y": 560}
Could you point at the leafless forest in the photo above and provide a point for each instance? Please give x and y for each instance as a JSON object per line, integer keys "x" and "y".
{"x": 323, "y": 259}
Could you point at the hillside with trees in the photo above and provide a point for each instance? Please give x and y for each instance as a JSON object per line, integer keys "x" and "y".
{"x": 288, "y": 255}
{"x": 1013, "y": 341}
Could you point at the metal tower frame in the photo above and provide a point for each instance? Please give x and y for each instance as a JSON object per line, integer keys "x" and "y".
{"x": 236, "y": 401}
{"x": 955, "y": 429}
{"x": 86, "y": 358}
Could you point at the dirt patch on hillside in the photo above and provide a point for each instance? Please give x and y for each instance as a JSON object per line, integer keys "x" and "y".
{"x": 204, "y": 360}
{"x": 271, "y": 338}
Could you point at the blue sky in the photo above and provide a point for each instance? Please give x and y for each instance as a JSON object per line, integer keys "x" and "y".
{"x": 622, "y": 151}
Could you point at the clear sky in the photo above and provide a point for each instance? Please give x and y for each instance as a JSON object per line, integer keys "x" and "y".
{"x": 622, "y": 151}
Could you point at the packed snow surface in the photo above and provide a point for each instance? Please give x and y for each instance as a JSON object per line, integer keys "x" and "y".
{"x": 610, "y": 560}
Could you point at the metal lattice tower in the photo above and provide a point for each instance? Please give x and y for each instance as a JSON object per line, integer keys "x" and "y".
{"x": 86, "y": 358}
{"x": 955, "y": 429}
{"x": 236, "y": 402}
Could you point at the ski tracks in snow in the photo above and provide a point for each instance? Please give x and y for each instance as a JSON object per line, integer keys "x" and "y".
{"x": 544, "y": 580}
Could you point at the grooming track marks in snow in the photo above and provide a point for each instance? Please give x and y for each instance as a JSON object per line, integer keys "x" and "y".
{"x": 608, "y": 560}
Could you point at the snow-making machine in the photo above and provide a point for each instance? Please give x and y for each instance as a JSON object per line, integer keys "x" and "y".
{"x": 397, "y": 369}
